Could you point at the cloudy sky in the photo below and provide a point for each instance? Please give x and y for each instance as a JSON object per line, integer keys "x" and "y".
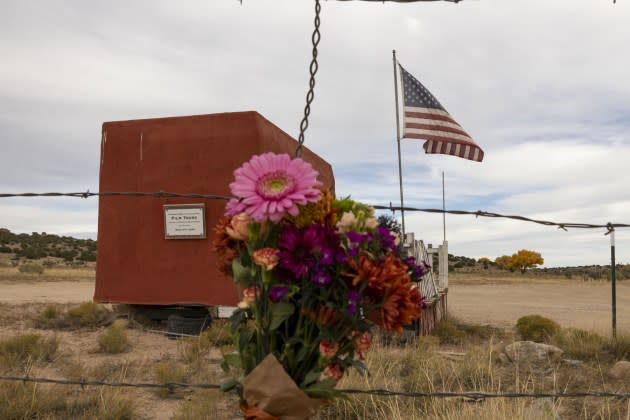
{"x": 541, "y": 86}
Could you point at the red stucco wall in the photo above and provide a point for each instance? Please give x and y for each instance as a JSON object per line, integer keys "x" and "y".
{"x": 196, "y": 154}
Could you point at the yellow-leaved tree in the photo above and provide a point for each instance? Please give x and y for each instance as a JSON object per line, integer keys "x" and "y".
{"x": 525, "y": 259}
{"x": 485, "y": 261}
{"x": 504, "y": 262}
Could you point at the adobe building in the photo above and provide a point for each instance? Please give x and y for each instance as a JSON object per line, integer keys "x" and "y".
{"x": 158, "y": 251}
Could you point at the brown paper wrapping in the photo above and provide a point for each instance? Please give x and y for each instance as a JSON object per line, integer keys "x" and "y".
{"x": 270, "y": 389}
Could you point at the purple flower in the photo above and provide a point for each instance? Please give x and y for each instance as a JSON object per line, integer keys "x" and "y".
{"x": 321, "y": 278}
{"x": 276, "y": 293}
{"x": 356, "y": 237}
{"x": 303, "y": 251}
{"x": 294, "y": 253}
{"x": 354, "y": 298}
{"x": 327, "y": 256}
{"x": 388, "y": 241}
{"x": 418, "y": 270}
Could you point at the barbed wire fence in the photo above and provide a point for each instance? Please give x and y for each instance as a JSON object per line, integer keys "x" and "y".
{"x": 471, "y": 395}
{"x": 609, "y": 226}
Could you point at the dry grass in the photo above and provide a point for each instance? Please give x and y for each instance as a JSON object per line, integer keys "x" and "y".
{"x": 505, "y": 277}
{"x": 460, "y": 357}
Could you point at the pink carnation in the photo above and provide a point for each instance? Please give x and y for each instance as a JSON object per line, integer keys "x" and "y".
{"x": 266, "y": 257}
{"x": 270, "y": 185}
{"x": 333, "y": 371}
{"x": 327, "y": 350}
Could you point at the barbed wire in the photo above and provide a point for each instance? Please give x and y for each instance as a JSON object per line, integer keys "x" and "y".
{"x": 88, "y": 193}
{"x": 609, "y": 226}
{"x": 475, "y": 395}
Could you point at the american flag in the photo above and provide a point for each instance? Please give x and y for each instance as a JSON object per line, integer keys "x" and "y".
{"x": 425, "y": 118}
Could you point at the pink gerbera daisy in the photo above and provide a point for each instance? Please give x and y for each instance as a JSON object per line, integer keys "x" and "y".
{"x": 271, "y": 185}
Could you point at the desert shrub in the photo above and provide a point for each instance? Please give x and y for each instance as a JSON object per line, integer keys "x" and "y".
{"x": 50, "y": 317}
{"x": 31, "y": 268}
{"x": 578, "y": 343}
{"x": 6, "y": 249}
{"x": 169, "y": 371}
{"x": 448, "y": 333}
{"x": 218, "y": 334}
{"x": 87, "y": 314}
{"x": 618, "y": 348}
{"x": 536, "y": 328}
{"x": 114, "y": 338}
{"x": 23, "y": 349}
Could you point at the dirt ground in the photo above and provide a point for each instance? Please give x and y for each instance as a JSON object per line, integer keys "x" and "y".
{"x": 571, "y": 303}
{"x": 499, "y": 302}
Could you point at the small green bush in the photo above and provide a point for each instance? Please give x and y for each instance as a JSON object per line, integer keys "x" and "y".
{"x": 169, "y": 371}
{"x": 448, "y": 333}
{"x": 87, "y": 314}
{"x": 536, "y": 328}
{"x": 31, "y": 268}
{"x": 23, "y": 349}
{"x": 114, "y": 338}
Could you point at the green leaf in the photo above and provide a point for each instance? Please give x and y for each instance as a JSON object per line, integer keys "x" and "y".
{"x": 231, "y": 359}
{"x": 229, "y": 385}
{"x": 242, "y": 275}
{"x": 302, "y": 354}
{"x": 358, "y": 365}
{"x": 323, "y": 389}
{"x": 310, "y": 377}
{"x": 280, "y": 312}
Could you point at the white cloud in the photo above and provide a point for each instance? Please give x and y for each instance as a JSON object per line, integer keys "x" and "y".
{"x": 539, "y": 85}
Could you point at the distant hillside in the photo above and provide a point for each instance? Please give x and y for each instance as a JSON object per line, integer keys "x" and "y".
{"x": 36, "y": 246}
{"x": 54, "y": 249}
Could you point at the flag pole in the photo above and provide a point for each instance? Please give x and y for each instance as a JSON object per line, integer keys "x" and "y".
{"x": 402, "y": 202}
{"x": 443, "y": 208}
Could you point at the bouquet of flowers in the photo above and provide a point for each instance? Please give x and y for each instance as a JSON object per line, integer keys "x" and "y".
{"x": 315, "y": 274}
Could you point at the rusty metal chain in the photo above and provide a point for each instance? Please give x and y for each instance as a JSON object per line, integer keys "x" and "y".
{"x": 315, "y": 38}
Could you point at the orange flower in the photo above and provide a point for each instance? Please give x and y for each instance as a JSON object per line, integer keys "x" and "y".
{"x": 238, "y": 228}
{"x": 266, "y": 257}
{"x": 362, "y": 345}
{"x": 324, "y": 316}
{"x": 333, "y": 371}
{"x": 224, "y": 247}
{"x": 390, "y": 287}
{"x": 327, "y": 350}
{"x": 320, "y": 212}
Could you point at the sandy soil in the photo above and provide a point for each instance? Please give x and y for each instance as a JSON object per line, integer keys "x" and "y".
{"x": 500, "y": 303}
{"x": 57, "y": 291}
{"x": 571, "y": 303}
